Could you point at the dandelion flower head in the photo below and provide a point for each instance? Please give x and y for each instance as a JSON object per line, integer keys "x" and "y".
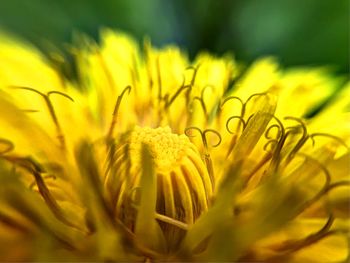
{"x": 148, "y": 156}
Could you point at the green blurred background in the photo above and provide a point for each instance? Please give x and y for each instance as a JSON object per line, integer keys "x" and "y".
{"x": 298, "y": 32}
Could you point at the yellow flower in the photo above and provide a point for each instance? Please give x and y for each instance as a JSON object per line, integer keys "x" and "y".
{"x": 147, "y": 156}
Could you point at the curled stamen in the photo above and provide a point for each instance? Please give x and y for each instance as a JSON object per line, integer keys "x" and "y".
{"x": 243, "y": 109}
{"x": 278, "y": 143}
{"x": 339, "y": 140}
{"x": 60, "y": 93}
{"x": 268, "y": 130}
{"x": 188, "y": 129}
{"x": 244, "y": 104}
{"x": 177, "y": 93}
{"x": 293, "y": 130}
{"x": 33, "y": 184}
{"x": 120, "y": 97}
{"x": 320, "y": 165}
{"x": 328, "y": 224}
{"x": 300, "y": 121}
{"x": 249, "y": 99}
{"x": 54, "y": 116}
{"x": 250, "y": 117}
{"x": 235, "y": 117}
{"x": 50, "y": 108}
{"x": 232, "y": 98}
{"x": 242, "y": 121}
{"x": 338, "y": 184}
{"x": 280, "y": 125}
{"x": 8, "y": 144}
{"x": 327, "y": 183}
{"x": 213, "y": 132}
{"x": 274, "y": 153}
{"x": 274, "y": 143}
{"x": 206, "y": 87}
{"x": 201, "y": 101}
{"x": 257, "y": 167}
{"x": 195, "y": 71}
{"x": 42, "y": 94}
{"x": 203, "y": 135}
{"x": 255, "y": 95}
{"x": 292, "y": 246}
{"x": 36, "y": 170}
{"x": 207, "y": 158}
{"x": 204, "y": 139}
{"x": 115, "y": 112}
{"x": 280, "y": 131}
{"x": 27, "y": 88}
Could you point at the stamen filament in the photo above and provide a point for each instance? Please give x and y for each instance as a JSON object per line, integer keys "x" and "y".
{"x": 172, "y": 221}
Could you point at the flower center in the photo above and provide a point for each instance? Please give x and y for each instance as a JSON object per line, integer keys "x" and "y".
{"x": 165, "y": 147}
{"x": 184, "y": 188}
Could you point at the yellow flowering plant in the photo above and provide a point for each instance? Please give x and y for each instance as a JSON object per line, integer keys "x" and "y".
{"x": 147, "y": 156}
